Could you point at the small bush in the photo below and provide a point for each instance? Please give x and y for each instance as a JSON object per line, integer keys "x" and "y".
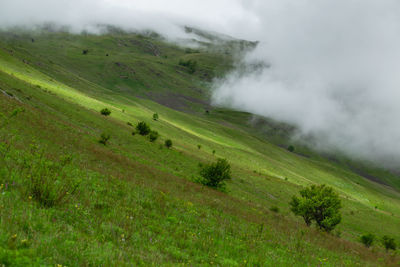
{"x": 104, "y": 138}
{"x": 191, "y": 65}
{"x": 105, "y": 112}
{"x": 291, "y": 148}
{"x": 143, "y": 128}
{"x": 215, "y": 174}
{"x": 274, "y": 209}
{"x": 128, "y": 123}
{"x": 168, "y": 143}
{"x": 85, "y": 51}
{"x": 389, "y": 243}
{"x": 199, "y": 147}
{"x": 153, "y": 136}
{"x": 155, "y": 116}
{"x": 367, "y": 239}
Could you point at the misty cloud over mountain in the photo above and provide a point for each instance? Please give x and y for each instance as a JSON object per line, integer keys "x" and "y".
{"x": 333, "y": 63}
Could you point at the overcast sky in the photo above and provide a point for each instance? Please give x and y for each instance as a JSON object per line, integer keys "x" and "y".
{"x": 334, "y": 63}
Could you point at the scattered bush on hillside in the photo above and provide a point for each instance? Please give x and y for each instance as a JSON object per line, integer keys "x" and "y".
{"x": 128, "y": 123}
{"x": 191, "y": 65}
{"x": 274, "y": 209}
{"x": 105, "y": 112}
{"x": 155, "y": 116}
{"x": 143, "y": 128}
{"x": 213, "y": 152}
{"x": 199, "y": 147}
{"x": 104, "y": 138}
{"x": 47, "y": 182}
{"x": 291, "y": 148}
{"x": 320, "y": 204}
{"x": 389, "y": 243}
{"x": 191, "y": 51}
{"x": 168, "y": 143}
{"x": 153, "y": 136}
{"x": 367, "y": 239}
{"x": 215, "y": 174}
{"x": 85, "y": 51}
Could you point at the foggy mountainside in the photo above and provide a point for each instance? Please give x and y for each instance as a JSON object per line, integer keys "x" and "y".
{"x": 199, "y": 133}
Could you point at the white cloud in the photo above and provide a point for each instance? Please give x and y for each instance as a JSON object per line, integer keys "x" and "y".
{"x": 334, "y": 63}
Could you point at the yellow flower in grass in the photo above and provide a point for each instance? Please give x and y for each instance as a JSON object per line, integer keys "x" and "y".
{"x": 30, "y": 197}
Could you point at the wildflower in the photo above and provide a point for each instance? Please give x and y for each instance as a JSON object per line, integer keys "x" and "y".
{"x": 23, "y": 241}
{"x": 14, "y": 236}
{"x": 30, "y": 197}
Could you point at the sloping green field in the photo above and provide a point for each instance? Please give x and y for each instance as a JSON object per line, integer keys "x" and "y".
{"x": 135, "y": 202}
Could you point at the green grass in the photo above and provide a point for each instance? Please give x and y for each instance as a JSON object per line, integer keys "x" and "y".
{"x": 136, "y": 203}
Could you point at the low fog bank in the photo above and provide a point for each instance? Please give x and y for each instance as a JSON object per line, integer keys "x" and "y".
{"x": 327, "y": 67}
{"x": 333, "y": 73}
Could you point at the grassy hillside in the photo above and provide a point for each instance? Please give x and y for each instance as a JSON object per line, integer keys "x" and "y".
{"x": 134, "y": 202}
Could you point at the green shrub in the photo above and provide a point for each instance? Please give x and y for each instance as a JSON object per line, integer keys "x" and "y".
{"x": 320, "y": 204}
{"x": 215, "y": 174}
{"x": 105, "y": 112}
{"x": 155, "y": 116}
{"x": 191, "y": 65}
{"x": 389, "y": 243}
{"x": 199, "y": 146}
{"x": 49, "y": 183}
{"x": 153, "y": 136}
{"x": 129, "y": 123}
{"x": 274, "y": 209}
{"x": 367, "y": 239}
{"x": 291, "y": 148}
{"x": 104, "y": 138}
{"x": 143, "y": 128}
{"x": 168, "y": 143}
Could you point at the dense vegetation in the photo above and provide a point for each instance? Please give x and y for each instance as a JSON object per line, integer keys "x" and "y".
{"x": 78, "y": 189}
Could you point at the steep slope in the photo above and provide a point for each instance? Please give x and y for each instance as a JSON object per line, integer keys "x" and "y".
{"x": 136, "y": 200}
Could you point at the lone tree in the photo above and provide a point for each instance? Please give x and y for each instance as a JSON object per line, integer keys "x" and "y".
{"x": 320, "y": 204}
{"x": 215, "y": 174}
{"x": 105, "y": 112}
{"x": 155, "y": 116}
{"x": 168, "y": 143}
{"x": 291, "y": 148}
{"x": 367, "y": 239}
{"x": 389, "y": 243}
{"x": 143, "y": 128}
